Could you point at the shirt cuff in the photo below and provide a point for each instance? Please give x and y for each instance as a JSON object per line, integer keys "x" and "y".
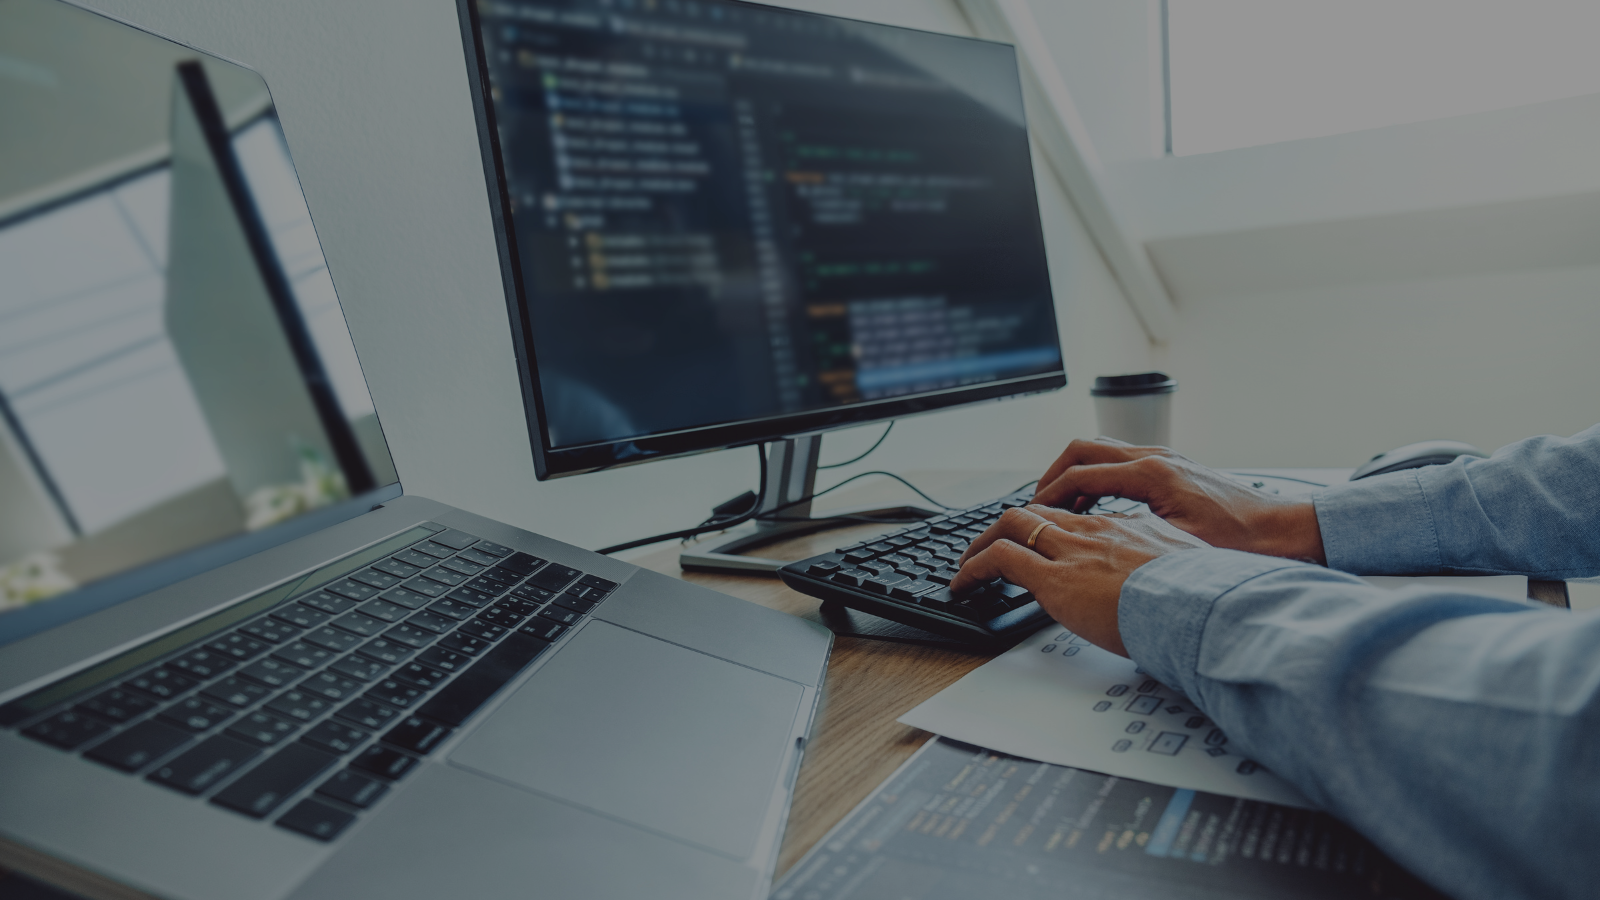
{"x": 1381, "y": 526}
{"x": 1166, "y": 602}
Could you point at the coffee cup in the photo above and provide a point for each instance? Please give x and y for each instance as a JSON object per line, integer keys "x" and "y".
{"x": 1135, "y": 408}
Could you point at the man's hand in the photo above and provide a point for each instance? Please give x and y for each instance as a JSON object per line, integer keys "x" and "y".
{"x": 1207, "y": 504}
{"x": 1077, "y": 565}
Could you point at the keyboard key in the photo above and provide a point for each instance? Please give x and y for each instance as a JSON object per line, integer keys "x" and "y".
{"x": 851, "y": 578}
{"x": 473, "y": 597}
{"x": 329, "y": 638}
{"x": 413, "y": 558}
{"x": 365, "y": 626}
{"x": 117, "y": 705}
{"x": 272, "y": 673}
{"x": 263, "y": 789}
{"x": 329, "y": 685}
{"x": 478, "y": 556}
{"x": 420, "y": 676}
{"x": 353, "y": 590}
{"x": 543, "y": 629}
{"x": 387, "y": 612}
{"x": 459, "y": 699}
{"x": 427, "y": 587}
{"x": 375, "y": 578}
{"x": 822, "y": 569}
{"x": 354, "y": 788}
{"x": 505, "y": 618}
{"x": 432, "y": 622}
{"x": 331, "y": 604}
{"x": 394, "y": 693}
{"x": 411, "y": 636}
{"x": 462, "y": 566}
{"x": 395, "y": 567}
{"x": 316, "y": 820}
{"x": 271, "y": 630}
{"x": 201, "y": 664}
{"x": 492, "y": 548}
{"x": 335, "y": 736}
{"x": 302, "y": 654}
{"x": 366, "y": 713}
{"x": 417, "y": 735}
{"x": 402, "y": 597}
{"x": 301, "y": 706}
{"x": 384, "y": 762}
{"x": 385, "y": 651}
{"x": 482, "y": 630}
{"x": 460, "y": 643}
{"x": 301, "y": 615}
{"x": 596, "y": 581}
{"x": 67, "y": 730}
{"x": 521, "y": 563}
{"x": 529, "y": 592}
{"x": 559, "y": 615}
{"x": 455, "y": 539}
{"x": 576, "y": 604}
{"x": 502, "y": 575}
{"x": 443, "y": 659}
{"x": 263, "y": 728}
{"x": 139, "y": 746}
{"x": 196, "y": 714}
{"x": 452, "y": 608}
{"x": 437, "y": 551}
{"x": 554, "y": 577}
{"x": 205, "y": 765}
{"x": 358, "y": 667}
{"x": 238, "y": 647}
{"x": 162, "y": 684}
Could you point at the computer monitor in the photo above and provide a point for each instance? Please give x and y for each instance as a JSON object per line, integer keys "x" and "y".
{"x": 722, "y": 223}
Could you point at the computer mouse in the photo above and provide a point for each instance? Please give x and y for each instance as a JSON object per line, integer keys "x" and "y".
{"x": 1415, "y": 456}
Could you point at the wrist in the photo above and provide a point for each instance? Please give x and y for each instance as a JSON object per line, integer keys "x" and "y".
{"x": 1290, "y": 530}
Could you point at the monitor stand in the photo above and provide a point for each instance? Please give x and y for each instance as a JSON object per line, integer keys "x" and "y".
{"x": 791, "y": 476}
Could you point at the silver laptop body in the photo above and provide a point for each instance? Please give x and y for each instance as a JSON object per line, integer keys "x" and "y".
{"x": 267, "y": 672}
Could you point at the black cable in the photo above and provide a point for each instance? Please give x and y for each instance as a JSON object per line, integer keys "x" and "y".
{"x": 768, "y": 514}
{"x": 864, "y": 455}
{"x": 708, "y": 525}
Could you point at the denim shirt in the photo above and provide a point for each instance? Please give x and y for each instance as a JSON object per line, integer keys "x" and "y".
{"x": 1461, "y": 733}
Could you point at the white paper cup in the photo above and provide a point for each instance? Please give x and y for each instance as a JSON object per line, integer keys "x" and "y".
{"x": 1135, "y": 408}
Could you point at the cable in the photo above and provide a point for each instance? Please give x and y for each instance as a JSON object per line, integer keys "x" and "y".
{"x": 864, "y": 455}
{"x": 707, "y": 525}
{"x": 768, "y": 514}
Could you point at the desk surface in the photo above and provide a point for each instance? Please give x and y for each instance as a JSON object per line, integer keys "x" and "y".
{"x": 856, "y": 742}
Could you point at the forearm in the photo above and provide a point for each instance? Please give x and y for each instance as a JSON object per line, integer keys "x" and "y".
{"x": 1447, "y": 727}
{"x": 1533, "y": 509}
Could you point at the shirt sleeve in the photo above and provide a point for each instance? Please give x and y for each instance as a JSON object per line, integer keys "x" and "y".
{"x": 1531, "y": 509}
{"x": 1454, "y": 730}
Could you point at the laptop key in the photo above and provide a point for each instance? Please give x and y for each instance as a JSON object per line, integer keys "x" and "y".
{"x": 427, "y": 587}
{"x": 443, "y": 575}
{"x": 437, "y": 551}
{"x": 329, "y": 685}
{"x": 333, "y": 639}
{"x": 432, "y": 622}
{"x": 139, "y": 746}
{"x": 455, "y": 538}
{"x": 353, "y": 590}
{"x": 336, "y": 737}
{"x": 162, "y": 684}
{"x": 386, "y": 612}
{"x": 459, "y": 699}
{"x": 464, "y": 566}
{"x": 409, "y": 599}
{"x": 298, "y": 705}
{"x": 531, "y": 593}
{"x": 506, "y": 618}
{"x": 385, "y": 651}
{"x": 375, "y": 578}
{"x": 413, "y": 558}
{"x": 559, "y": 615}
{"x": 503, "y": 576}
{"x": 473, "y": 597}
{"x": 68, "y": 730}
{"x": 366, "y": 713}
{"x": 205, "y": 765}
{"x": 272, "y": 673}
{"x": 419, "y": 676}
{"x": 238, "y": 647}
{"x": 359, "y": 668}
{"x": 363, "y": 625}
{"x": 270, "y": 630}
{"x": 263, "y": 789}
{"x": 543, "y": 629}
{"x": 576, "y": 604}
{"x": 316, "y": 820}
{"x": 196, "y": 714}
{"x": 452, "y": 608}
{"x": 301, "y": 615}
{"x": 394, "y": 693}
{"x": 482, "y": 630}
{"x": 460, "y": 643}
{"x": 596, "y": 581}
{"x": 417, "y": 735}
{"x": 493, "y": 549}
{"x": 411, "y": 636}
{"x": 473, "y": 554}
{"x": 354, "y": 788}
{"x": 554, "y": 577}
{"x": 303, "y": 655}
{"x": 263, "y": 728}
{"x": 332, "y": 604}
{"x": 116, "y": 705}
{"x": 384, "y": 762}
{"x": 442, "y": 659}
{"x": 395, "y": 567}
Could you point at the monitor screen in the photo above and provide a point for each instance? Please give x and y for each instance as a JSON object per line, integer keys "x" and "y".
{"x": 176, "y": 376}
{"x": 724, "y": 223}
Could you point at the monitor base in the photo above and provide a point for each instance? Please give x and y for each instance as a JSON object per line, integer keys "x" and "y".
{"x": 724, "y": 557}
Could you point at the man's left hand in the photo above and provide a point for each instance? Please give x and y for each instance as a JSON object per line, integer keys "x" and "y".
{"x": 1077, "y": 565}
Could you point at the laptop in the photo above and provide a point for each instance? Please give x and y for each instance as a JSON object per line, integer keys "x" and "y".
{"x": 237, "y": 660}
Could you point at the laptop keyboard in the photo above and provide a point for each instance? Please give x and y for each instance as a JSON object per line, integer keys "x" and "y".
{"x": 330, "y": 695}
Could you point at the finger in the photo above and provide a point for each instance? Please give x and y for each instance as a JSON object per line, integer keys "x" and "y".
{"x": 1013, "y": 524}
{"x": 1135, "y": 480}
{"x": 1081, "y": 452}
{"x": 1003, "y": 559}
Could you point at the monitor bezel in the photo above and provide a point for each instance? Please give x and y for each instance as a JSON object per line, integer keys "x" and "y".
{"x": 553, "y": 462}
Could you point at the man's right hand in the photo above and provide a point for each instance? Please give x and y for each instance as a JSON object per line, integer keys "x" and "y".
{"x": 1207, "y": 504}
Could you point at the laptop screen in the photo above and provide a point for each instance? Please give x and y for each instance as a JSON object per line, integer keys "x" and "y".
{"x": 176, "y": 375}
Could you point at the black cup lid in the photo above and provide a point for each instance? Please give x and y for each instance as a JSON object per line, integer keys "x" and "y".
{"x": 1133, "y": 385}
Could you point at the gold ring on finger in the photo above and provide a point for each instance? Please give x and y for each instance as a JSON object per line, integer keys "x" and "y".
{"x": 1038, "y": 528}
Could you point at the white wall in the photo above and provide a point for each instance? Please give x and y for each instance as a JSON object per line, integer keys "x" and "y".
{"x": 373, "y": 98}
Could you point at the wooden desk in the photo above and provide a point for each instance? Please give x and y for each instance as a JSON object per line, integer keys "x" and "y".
{"x": 856, "y": 742}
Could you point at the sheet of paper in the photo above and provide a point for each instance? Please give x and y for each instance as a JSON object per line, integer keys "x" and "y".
{"x": 1057, "y": 698}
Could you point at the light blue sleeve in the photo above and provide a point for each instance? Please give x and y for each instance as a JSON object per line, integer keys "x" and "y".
{"x": 1460, "y": 733}
{"x": 1531, "y": 509}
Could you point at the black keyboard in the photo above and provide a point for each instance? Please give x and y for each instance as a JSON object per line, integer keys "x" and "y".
{"x": 905, "y": 575}
{"x": 326, "y": 690}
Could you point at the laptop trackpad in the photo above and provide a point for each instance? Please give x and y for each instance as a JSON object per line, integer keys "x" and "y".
{"x": 648, "y": 732}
